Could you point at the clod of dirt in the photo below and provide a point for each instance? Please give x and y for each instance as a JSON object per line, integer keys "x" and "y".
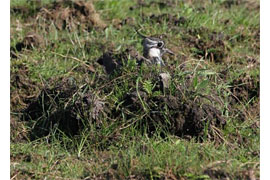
{"x": 206, "y": 44}
{"x": 17, "y": 131}
{"x": 110, "y": 62}
{"x": 196, "y": 117}
{"x": 127, "y": 21}
{"x": 66, "y": 106}
{"x": 22, "y": 89}
{"x": 72, "y": 14}
{"x": 170, "y": 19}
{"x": 27, "y": 11}
{"x": 132, "y": 100}
{"x": 245, "y": 88}
{"x": 230, "y": 3}
{"x": 184, "y": 117}
{"x": 250, "y": 5}
{"x": 165, "y": 80}
{"x": 160, "y": 4}
{"x": 31, "y": 40}
{"x": 217, "y": 173}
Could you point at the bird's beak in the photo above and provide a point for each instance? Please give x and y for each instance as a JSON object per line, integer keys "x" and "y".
{"x": 168, "y": 51}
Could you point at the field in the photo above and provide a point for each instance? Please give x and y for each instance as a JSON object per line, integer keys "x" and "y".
{"x": 85, "y": 106}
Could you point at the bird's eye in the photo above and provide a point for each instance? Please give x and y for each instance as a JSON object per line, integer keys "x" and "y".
{"x": 160, "y": 44}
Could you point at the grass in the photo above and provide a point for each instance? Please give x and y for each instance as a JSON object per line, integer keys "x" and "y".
{"x": 128, "y": 125}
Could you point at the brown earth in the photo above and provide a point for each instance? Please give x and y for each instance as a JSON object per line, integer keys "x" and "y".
{"x": 206, "y": 44}
{"x": 18, "y": 131}
{"x": 23, "y": 90}
{"x": 160, "y": 4}
{"x": 113, "y": 61}
{"x": 185, "y": 118}
{"x": 63, "y": 106}
{"x": 64, "y": 14}
{"x": 250, "y": 4}
{"x": 31, "y": 40}
{"x": 72, "y": 15}
{"x": 172, "y": 20}
{"x": 244, "y": 88}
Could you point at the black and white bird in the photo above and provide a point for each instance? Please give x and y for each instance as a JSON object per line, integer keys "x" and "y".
{"x": 153, "y": 49}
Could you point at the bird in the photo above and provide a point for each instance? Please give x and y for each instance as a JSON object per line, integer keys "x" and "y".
{"x": 154, "y": 49}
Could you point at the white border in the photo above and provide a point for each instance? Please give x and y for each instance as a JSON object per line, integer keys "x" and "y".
{"x": 265, "y": 90}
{"x": 5, "y": 89}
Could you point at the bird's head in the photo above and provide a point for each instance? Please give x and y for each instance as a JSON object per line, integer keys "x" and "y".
{"x": 149, "y": 43}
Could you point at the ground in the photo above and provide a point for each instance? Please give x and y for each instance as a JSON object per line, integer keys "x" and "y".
{"x": 84, "y": 105}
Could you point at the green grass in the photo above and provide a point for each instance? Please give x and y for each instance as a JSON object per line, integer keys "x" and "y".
{"x": 120, "y": 146}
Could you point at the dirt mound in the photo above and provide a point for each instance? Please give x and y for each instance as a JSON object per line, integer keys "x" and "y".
{"x": 18, "y": 132}
{"x": 22, "y": 89}
{"x": 70, "y": 107}
{"x": 183, "y": 118}
{"x": 30, "y": 41}
{"x": 217, "y": 173}
{"x": 67, "y": 14}
{"x": 207, "y": 44}
{"x": 27, "y": 11}
{"x": 64, "y": 14}
{"x": 176, "y": 113}
{"x": 126, "y": 21}
{"x": 172, "y": 20}
{"x": 65, "y": 106}
{"x": 160, "y": 4}
{"x": 230, "y": 3}
{"x": 245, "y": 88}
{"x": 113, "y": 61}
{"x": 250, "y": 5}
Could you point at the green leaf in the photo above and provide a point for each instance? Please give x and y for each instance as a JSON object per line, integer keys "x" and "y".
{"x": 148, "y": 86}
{"x": 195, "y": 82}
{"x": 203, "y": 84}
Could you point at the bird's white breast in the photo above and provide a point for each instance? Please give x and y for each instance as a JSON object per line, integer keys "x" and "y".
{"x": 154, "y": 52}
